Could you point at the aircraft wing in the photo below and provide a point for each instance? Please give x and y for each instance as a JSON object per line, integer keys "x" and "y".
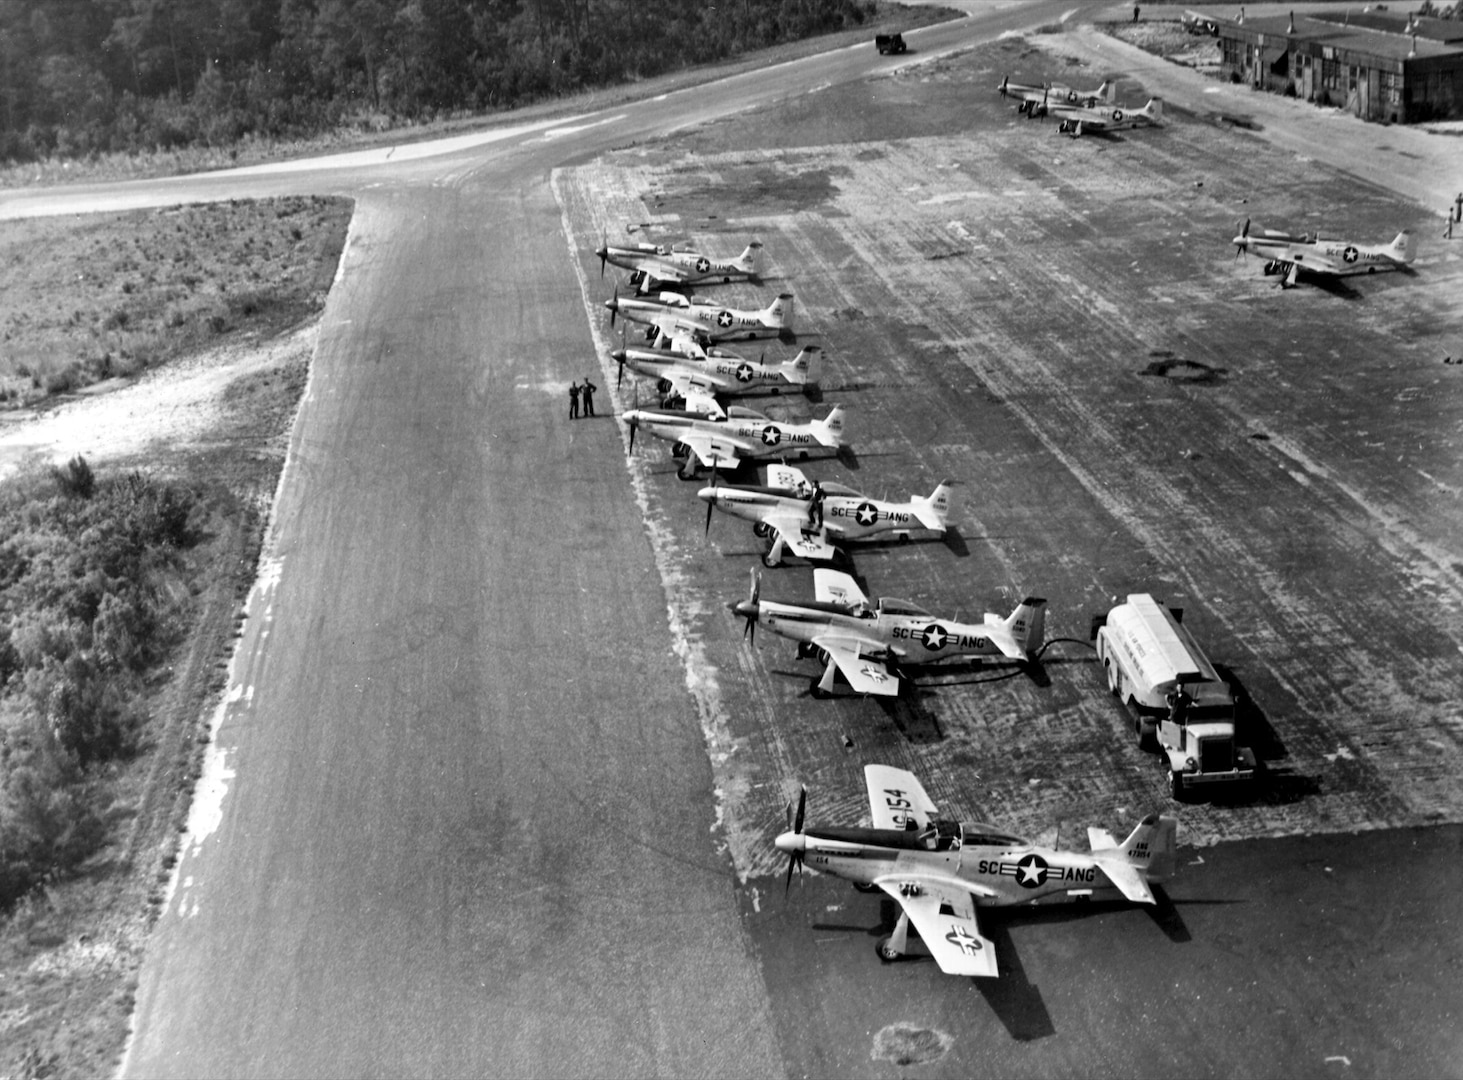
{"x": 943, "y": 912}
{"x": 864, "y": 674}
{"x": 1127, "y": 877}
{"x": 787, "y": 478}
{"x": 700, "y": 401}
{"x": 895, "y": 796}
{"x": 798, "y": 538}
{"x": 836, "y": 587}
{"x": 713, "y": 450}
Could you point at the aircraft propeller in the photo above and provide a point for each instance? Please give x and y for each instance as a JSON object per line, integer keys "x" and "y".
{"x": 795, "y": 824}
{"x": 614, "y": 306}
{"x": 619, "y": 356}
{"x": 1239, "y": 249}
{"x": 603, "y": 253}
{"x": 747, "y": 608}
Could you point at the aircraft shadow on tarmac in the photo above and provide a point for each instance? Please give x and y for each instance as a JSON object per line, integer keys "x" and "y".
{"x": 1012, "y": 996}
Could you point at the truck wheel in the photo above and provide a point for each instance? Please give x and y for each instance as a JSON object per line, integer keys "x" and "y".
{"x": 1147, "y": 737}
{"x": 1176, "y": 786}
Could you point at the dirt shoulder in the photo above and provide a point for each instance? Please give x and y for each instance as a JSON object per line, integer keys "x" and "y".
{"x": 217, "y": 418}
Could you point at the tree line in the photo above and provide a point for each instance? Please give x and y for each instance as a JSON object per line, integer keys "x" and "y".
{"x": 79, "y": 77}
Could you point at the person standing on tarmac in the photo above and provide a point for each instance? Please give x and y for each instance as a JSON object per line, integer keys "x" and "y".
{"x": 573, "y": 401}
{"x": 587, "y": 393}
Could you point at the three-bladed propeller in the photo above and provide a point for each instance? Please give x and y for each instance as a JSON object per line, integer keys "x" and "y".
{"x": 603, "y": 253}
{"x": 614, "y": 305}
{"x": 795, "y": 825}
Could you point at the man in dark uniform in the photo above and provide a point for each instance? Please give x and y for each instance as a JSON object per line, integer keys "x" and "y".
{"x": 587, "y": 392}
{"x": 573, "y": 401}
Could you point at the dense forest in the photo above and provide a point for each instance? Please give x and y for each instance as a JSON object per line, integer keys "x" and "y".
{"x": 88, "y": 76}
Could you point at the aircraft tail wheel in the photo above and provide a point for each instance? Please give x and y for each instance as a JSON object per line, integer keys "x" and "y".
{"x": 886, "y": 951}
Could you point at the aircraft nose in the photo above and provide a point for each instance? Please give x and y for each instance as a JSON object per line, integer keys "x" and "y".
{"x": 707, "y": 494}
{"x": 791, "y": 842}
{"x": 745, "y": 608}
{"x": 618, "y": 356}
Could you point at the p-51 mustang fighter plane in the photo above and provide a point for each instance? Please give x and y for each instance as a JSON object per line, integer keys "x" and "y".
{"x": 740, "y": 436}
{"x": 699, "y": 381}
{"x": 1037, "y": 100}
{"x": 673, "y": 314}
{"x": 1291, "y": 256}
{"x": 939, "y": 872}
{"x": 863, "y": 643}
{"x": 657, "y": 266}
{"x": 1076, "y": 121}
{"x": 809, "y": 521}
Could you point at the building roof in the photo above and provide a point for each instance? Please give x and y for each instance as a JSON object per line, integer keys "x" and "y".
{"x": 1334, "y": 30}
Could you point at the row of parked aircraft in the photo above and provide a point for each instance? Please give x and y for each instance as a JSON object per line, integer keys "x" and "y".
{"x": 938, "y": 871}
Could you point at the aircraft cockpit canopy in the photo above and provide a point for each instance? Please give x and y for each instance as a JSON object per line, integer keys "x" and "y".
{"x": 941, "y": 836}
{"x": 835, "y": 488}
{"x": 978, "y": 834}
{"x": 889, "y": 605}
{"x": 741, "y": 412}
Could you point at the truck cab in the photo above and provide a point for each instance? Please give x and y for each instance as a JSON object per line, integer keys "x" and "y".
{"x": 1181, "y": 708}
{"x": 889, "y": 43}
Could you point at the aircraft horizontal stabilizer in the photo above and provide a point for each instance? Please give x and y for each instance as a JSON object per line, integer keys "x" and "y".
{"x": 1126, "y": 877}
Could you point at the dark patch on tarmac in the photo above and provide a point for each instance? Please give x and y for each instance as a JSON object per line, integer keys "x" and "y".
{"x": 1190, "y": 372}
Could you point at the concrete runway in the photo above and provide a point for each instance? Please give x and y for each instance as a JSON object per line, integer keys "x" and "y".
{"x": 472, "y": 811}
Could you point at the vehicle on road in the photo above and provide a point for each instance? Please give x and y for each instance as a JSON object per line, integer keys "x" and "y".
{"x": 939, "y": 872}
{"x": 1180, "y": 705}
{"x": 889, "y": 43}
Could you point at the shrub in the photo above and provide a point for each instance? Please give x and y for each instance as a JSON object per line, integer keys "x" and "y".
{"x": 75, "y": 479}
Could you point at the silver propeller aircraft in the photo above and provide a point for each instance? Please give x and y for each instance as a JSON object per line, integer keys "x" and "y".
{"x": 862, "y": 643}
{"x": 656, "y": 265}
{"x": 1290, "y": 256}
{"x": 742, "y": 435}
{"x": 699, "y": 381}
{"x": 671, "y": 314}
{"x": 810, "y": 521}
{"x": 1037, "y": 100}
{"x": 939, "y": 872}
{"x": 1076, "y": 121}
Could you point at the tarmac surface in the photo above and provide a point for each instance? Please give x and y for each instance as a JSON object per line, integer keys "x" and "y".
{"x": 494, "y": 790}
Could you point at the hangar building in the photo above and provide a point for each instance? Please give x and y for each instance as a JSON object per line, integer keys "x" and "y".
{"x": 1400, "y": 68}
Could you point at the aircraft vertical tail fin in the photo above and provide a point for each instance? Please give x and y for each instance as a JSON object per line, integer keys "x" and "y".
{"x": 933, "y": 512}
{"x": 829, "y": 431}
{"x": 1108, "y": 92}
{"x": 1027, "y": 623}
{"x": 750, "y": 261}
{"x": 779, "y": 313}
{"x": 1153, "y": 110}
{"x": 802, "y": 368}
{"x": 1152, "y": 847}
{"x": 1404, "y": 248}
